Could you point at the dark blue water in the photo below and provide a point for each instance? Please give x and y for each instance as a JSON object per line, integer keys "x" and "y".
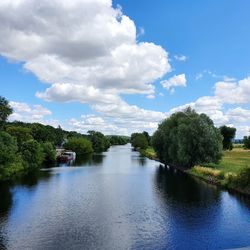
{"x": 120, "y": 200}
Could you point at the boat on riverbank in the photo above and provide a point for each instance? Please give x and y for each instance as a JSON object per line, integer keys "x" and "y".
{"x": 66, "y": 156}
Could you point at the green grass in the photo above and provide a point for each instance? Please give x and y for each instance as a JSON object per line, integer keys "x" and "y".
{"x": 233, "y": 171}
{"x": 149, "y": 152}
{"x": 235, "y": 160}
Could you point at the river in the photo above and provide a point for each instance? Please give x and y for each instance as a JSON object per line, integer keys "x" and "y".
{"x": 120, "y": 200}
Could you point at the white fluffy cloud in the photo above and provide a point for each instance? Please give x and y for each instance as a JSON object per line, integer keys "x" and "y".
{"x": 31, "y": 113}
{"x": 175, "y": 81}
{"x": 86, "y": 51}
{"x": 234, "y": 92}
{"x": 85, "y": 43}
{"x": 214, "y": 106}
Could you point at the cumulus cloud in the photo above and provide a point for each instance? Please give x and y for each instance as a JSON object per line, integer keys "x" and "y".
{"x": 238, "y": 115}
{"x": 175, "y": 81}
{"x": 214, "y": 106}
{"x": 234, "y": 92}
{"x": 85, "y": 51}
{"x": 31, "y": 113}
{"x": 83, "y": 43}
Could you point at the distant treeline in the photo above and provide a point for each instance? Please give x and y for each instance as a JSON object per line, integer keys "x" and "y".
{"x": 25, "y": 147}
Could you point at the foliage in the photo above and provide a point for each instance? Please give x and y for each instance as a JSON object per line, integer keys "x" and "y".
{"x": 228, "y": 134}
{"x": 246, "y": 142}
{"x": 5, "y": 111}
{"x": 49, "y": 152}
{"x": 139, "y": 140}
{"x": 149, "y": 152}
{"x": 242, "y": 180}
{"x": 118, "y": 140}
{"x": 147, "y": 137}
{"x": 99, "y": 142}
{"x": 80, "y": 145}
{"x": 32, "y": 154}
{"x": 187, "y": 139}
{"x": 22, "y": 134}
{"x": 8, "y": 148}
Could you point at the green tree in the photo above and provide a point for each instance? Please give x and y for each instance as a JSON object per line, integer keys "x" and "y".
{"x": 8, "y": 148}
{"x": 5, "y": 111}
{"x": 32, "y": 154}
{"x": 10, "y": 161}
{"x": 139, "y": 140}
{"x": 22, "y": 134}
{"x": 187, "y": 138}
{"x": 246, "y": 142}
{"x": 228, "y": 134}
{"x": 49, "y": 152}
{"x": 147, "y": 136}
{"x": 99, "y": 141}
{"x": 80, "y": 145}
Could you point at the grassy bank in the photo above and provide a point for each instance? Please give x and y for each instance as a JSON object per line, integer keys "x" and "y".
{"x": 232, "y": 172}
{"x": 149, "y": 153}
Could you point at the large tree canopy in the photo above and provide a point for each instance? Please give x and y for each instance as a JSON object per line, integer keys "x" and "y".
{"x": 187, "y": 138}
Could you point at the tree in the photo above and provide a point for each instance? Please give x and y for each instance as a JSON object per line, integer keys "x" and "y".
{"x": 5, "y": 111}
{"x": 32, "y": 154}
{"x": 99, "y": 142}
{"x": 49, "y": 152}
{"x": 8, "y": 148}
{"x": 80, "y": 145}
{"x": 139, "y": 140}
{"x": 22, "y": 134}
{"x": 228, "y": 134}
{"x": 246, "y": 142}
{"x": 147, "y": 136}
{"x": 187, "y": 138}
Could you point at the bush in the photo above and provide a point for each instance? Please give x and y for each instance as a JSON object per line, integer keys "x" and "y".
{"x": 246, "y": 142}
{"x": 80, "y": 145}
{"x": 242, "y": 180}
{"x": 187, "y": 139}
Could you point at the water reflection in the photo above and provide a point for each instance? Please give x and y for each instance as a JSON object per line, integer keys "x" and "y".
{"x": 109, "y": 201}
{"x": 83, "y": 160}
{"x": 172, "y": 184}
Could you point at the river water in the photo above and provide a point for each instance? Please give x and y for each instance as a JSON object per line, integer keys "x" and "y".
{"x": 120, "y": 200}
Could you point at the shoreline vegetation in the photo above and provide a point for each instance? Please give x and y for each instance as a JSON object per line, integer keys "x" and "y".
{"x": 27, "y": 147}
{"x": 228, "y": 174}
{"x": 190, "y": 142}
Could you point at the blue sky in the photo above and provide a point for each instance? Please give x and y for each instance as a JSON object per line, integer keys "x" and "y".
{"x": 80, "y": 63}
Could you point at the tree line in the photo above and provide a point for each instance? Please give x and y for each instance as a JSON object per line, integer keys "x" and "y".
{"x": 25, "y": 147}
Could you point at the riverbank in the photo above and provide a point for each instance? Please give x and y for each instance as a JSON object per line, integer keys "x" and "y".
{"x": 232, "y": 172}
